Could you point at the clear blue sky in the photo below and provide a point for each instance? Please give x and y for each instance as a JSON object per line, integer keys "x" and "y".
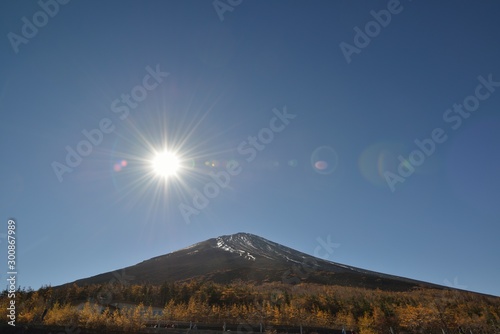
{"x": 321, "y": 172}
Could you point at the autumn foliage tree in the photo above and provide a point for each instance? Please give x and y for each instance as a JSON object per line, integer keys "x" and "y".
{"x": 130, "y": 307}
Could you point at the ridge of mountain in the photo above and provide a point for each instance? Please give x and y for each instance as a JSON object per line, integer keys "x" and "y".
{"x": 248, "y": 257}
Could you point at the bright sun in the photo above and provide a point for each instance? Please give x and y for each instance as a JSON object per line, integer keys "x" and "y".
{"x": 166, "y": 164}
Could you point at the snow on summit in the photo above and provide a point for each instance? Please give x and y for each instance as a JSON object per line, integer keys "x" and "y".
{"x": 223, "y": 245}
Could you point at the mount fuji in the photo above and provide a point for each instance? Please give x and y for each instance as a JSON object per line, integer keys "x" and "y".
{"x": 250, "y": 258}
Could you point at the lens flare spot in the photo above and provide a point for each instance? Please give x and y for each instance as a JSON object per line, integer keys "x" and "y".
{"x": 324, "y": 160}
{"x": 321, "y": 165}
{"x": 378, "y": 158}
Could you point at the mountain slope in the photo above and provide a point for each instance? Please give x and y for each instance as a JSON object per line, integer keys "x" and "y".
{"x": 248, "y": 257}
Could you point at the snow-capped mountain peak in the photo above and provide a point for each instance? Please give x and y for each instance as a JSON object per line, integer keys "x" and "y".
{"x": 255, "y": 247}
{"x": 249, "y": 257}
{"x": 222, "y": 244}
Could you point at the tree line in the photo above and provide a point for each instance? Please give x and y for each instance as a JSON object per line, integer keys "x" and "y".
{"x": 100, "y": 306}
